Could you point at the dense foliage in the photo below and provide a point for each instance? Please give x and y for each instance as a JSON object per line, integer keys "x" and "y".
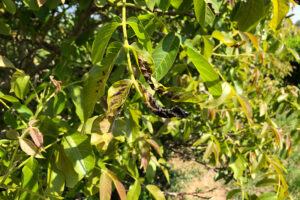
{"x": 92, "y": 92}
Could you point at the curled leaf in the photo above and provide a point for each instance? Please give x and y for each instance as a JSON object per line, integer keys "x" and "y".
{"x": 29, "y": 148}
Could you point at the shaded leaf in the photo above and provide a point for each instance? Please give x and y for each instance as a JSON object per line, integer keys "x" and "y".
{"x": 10, "y": 6}
{"x": 203, "y": 13}
{"x": 29, "y": 148}
{"x": 266, "y": 182}
{"x": 101, "y": 40}
{"x": 20, "y": 84}
{"x": 163, "y": 4}
{"x": 164, "y": 55}
{"x": 155, "y": 191}
{"x": 232, "y": 193}
{"x": 4, "y": 62}
{"x": 12, "y": 134}
{"x": 41, "y": 2}
{"x": 77, "y": 147}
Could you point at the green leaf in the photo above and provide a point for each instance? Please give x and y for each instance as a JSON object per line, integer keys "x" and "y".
{"x": 150, "y": 21}
{"x": 9, "y": 98}
{"x": 164, "y": 55}
{"x": 20, "y": 84}
{"x": 12, "y": 134}
{"x": 4, "y": 62}
{"x": 117, "y": 95}
{"x": 77, "y": 99}
{"x": 95, "y": 82}
{"x": 4, "y": 30}
{"x": 155, "y": 191}
{"x": 249, "y": 14}
{"x": 207, "y": 72}
{"x": 140, "y": 32}
{"x": 59, "y": 103}
{"x": 77, "y": 147}
{"x": 30, "y": 175}
{"x": 10, "y": 6}
{"x": 163, "y": 4}
{"x": 64, "y": 164}
{"x": 101, "y": 40}
{"x": 32, "y": 4}
{"x": 295, "y": 54}
{"x": 268, "y": 196}
{"x": 280, "y": 9}
{"x": 208, "y": 48}
{"x": 203, "y": 13}
{"x": 224, "y": 37}
{"x": 134, "y": 191}
{"x": 105, "y": 186}
{"x": 232, "y": 193}
{"x": 24, "y": 111}
{"x": 226, "y": 94}
{"x": 150, "y": 4}
{"x": 238, "y": 167}
{"x": 266, "y": 182}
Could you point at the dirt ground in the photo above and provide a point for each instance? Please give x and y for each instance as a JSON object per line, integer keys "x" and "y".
{"x": 201, "y": 180}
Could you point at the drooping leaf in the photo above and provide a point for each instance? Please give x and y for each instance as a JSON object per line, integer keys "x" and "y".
{"x": 140, "y": 32}
{"x": 30, "y": 175}
{"x": 117, "y": 95}
{"x": 164, "y": 55}
{"x": 77, "y": 147}
{"x": 249, "y": 14}
{"x": 101, "y": 41}
{"x": 253, "y": 40}
{"x": 280, "y": 9}
{"x": 207, "y": 72}
{"x": 10, "y": 6}
{"x": 29, "y": 148}
{"x": 156, "y": 192}
{"x": 96, "y": 79}
{"x": 105, "y": 186}
{"x": 134, "y": 191}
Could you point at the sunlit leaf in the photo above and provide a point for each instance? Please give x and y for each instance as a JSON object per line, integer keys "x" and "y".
{"x": 105, "y": 186}
{"x": 155, "y": 146}
{"x": 119, "y": 186}
{"x": 280, "y": 9}
{"x": 156, "y": 192}
{"x": 203, "y": 13}
{"x": 223, "y": 37}
{"x": 29, "y": 148}
{"x": 134, "y": 191}
{"x": 36, "y": 136}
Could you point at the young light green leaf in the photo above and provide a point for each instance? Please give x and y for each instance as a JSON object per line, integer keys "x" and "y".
{"x": 20, "y": 84}
{"x": 249, "y": 13}
{"x": 134, "y": 191}
{"x": 9, "y": 98}
{"x": 164, "y": 55}
{"x": 30, "y": 148}
{"x": 117, "y": 95}
{"x": 101, "y": 40}
{"x": 77, "y": 147}
{"x": 207, "y": 72}
{"x": 224, "y": 37}
{"x": 10, "y": 6}
{"x": 105, "y": 186}
{"x": 155, "y": 191}
{"x": 238, "y": 167}
{"x": 268, "y": 196}
{"x": 280, "y": 9}
{"x": 30, "y": 177}
{"x": 208, "y": 47}
{"x": 96, "y": 79}
{"x": 150, "y": 4}
{"x": 140, "y": 32}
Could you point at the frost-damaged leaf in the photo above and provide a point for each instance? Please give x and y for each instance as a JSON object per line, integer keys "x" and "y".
{"x": 164, "y": 55}
{"x": 280, "y": 9}
{"x": 36, "y": 136}
{"x": 249, "y": 14}
{"x": 155, "y": 191}
{"x": 207, "y": 72}
{"x": 30, "y": 177}
{"x": 77, "y": 147}
{"x": 20, "y": 84}
{"x": 10, "y": 6}
{"x": 105, "y": 186}
{"x": 134, "y": 191}
{"x": 224, "y": 37}
{"x": 30, "y": 148}
{"x": 117, "y": 95}
{"x": 140, "y": 32}
{"x": 119, "y": 186}
{"x": 101, "y": 41}
{"x": 96, "y": 79}
{"x": 155, "y": 146}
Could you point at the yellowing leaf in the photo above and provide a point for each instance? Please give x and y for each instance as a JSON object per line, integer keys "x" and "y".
{"x": 105, "y": 187}
{"x": 280, "y": 9}
{"x": 29, "y": 148}
{"x": 41, "y": 2}
{"x": 155, "y": 146}
{"x": 246, "y": 107}
{"x": 224, "y": 37}
{"x": 36, "y": 136}
{"x": 155, "y": 191}
{"x": 119, "y": 186}
{"x": 253, "y": 40}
